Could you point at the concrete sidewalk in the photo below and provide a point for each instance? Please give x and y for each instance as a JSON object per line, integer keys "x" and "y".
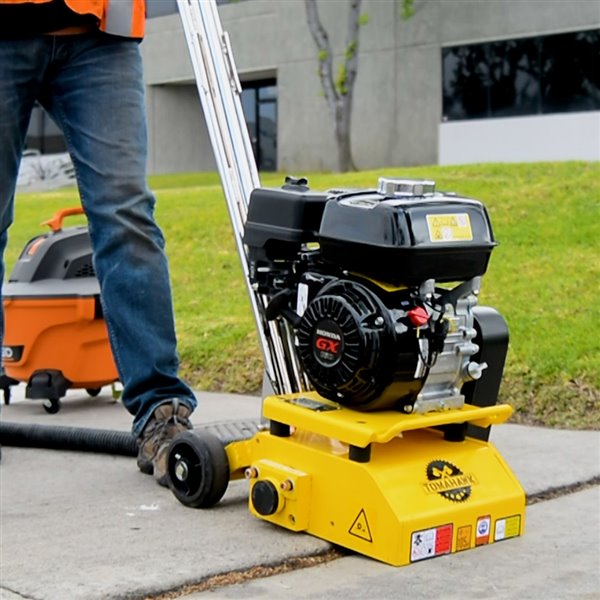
{"x": 90, "y": 526}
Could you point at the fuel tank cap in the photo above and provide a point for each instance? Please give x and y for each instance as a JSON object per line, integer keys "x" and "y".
{"x": 402, "y": 188}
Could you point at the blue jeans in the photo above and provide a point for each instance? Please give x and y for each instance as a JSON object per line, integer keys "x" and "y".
{"x": 92, "y": 86}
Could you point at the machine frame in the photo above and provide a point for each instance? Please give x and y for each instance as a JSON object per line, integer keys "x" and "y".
{"x": 396, "y": 487}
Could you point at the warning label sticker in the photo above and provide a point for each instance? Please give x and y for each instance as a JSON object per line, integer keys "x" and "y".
{"x": 431, "y": 542}
{"x": 463, "y": 537}
{"x": 360, "y": 527}
{"x": 482, "y": 530}
{"x": 507, "y": 528}
{"x": 449, "y": 228}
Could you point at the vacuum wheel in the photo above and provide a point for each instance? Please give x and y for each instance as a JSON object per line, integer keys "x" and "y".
{"x": 51, "y": 405}
{"x": 93, "y": 392}
{"x": 198, "y": 469}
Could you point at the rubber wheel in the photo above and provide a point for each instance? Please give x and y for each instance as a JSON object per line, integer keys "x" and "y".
{"x": 198, "y": 469}
{"x": 52, "y": 405}
{"x": 93, "y": 392}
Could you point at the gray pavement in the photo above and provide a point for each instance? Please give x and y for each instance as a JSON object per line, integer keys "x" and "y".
{"x": 90, "y": 526}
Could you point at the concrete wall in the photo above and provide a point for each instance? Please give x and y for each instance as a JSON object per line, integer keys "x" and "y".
{"x": 178, "y": 137}
{"x": 398, "y": 95}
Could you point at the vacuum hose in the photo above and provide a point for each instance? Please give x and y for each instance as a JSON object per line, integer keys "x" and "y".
{"x": 55, "y": 437}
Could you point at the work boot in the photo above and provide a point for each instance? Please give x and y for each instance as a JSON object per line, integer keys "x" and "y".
{"x": 166, "y": 422}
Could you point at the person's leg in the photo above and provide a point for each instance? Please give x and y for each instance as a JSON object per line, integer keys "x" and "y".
{"x": 22, "y": 67}
{"x": 96, "y": 95}
{"x": 22, "y": 64}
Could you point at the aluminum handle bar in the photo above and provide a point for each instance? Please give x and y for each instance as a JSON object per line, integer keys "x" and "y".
{"x": 220, "y": 91}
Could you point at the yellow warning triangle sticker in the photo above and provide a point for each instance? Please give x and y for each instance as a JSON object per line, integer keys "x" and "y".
{"x": 360, "y": 527}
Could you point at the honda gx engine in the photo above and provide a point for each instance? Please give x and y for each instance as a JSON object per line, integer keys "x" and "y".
{"x": 380, "y": 289}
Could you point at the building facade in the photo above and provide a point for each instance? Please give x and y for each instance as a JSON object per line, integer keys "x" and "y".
{"x": 462, "y": 81}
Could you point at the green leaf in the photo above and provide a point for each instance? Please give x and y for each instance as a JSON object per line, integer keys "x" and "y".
{"x": 408, "y": 9}
{"x": 351, "y": 50}
{"x": 340, "y": 82}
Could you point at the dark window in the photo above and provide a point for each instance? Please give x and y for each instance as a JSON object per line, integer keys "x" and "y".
{"x": 570, "y": 66}
{"x": 514, "y": 84}
{"x": 541, "y": 75}
{"x": 466, "y": 82}
{"x": 259, "y": 101}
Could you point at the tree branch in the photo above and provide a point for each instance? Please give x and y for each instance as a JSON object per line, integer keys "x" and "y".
{"x": 351, "y": 53}
{"x": 338, "y": 92}
{"x": 325, "y": 54}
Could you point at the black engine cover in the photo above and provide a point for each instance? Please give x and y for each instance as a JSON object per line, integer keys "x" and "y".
{"x": 356, "y": 351}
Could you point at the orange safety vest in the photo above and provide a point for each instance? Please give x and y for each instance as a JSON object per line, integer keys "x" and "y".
{"x": 119, "y": 17}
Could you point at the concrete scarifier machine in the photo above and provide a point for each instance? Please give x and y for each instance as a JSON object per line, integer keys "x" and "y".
{"x": 384, "y": 371}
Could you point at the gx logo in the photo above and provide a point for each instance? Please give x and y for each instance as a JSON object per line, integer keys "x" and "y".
{"x": 327, "y": 345}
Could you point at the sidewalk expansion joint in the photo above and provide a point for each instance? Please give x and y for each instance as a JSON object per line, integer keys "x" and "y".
{"x": 14, "y": 593}
{"x": 238, "y": 577}
{"x": 562, "y": 490}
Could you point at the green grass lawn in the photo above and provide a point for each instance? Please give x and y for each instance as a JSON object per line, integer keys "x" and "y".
{"x": 543, "y": 277}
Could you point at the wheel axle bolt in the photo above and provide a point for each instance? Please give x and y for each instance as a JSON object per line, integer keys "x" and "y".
{"x": 181, "y": 470}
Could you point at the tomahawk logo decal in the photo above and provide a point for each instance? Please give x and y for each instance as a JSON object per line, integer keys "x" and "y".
{"x": 448, "y": 481}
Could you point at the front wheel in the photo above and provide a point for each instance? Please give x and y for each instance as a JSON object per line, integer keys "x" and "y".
{"x": 198, "y": 469}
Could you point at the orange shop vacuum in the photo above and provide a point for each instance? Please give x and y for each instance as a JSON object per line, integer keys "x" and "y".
{"x": 55, "y": 337}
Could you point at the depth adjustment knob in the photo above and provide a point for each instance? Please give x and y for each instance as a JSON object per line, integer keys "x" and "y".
{"x": 265, "y": 498}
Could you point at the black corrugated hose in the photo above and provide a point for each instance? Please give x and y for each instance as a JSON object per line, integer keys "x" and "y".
{"x": 57, "y": 437}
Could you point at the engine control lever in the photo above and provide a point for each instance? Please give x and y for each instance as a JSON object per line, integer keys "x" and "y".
{"x": 472, "y": 286}
{"x": 280, "y": 306}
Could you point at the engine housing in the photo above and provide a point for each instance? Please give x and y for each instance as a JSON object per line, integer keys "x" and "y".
{"x": 378, "y": 287}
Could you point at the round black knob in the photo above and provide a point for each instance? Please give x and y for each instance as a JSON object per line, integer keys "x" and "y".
{"x": 265, "y": 498}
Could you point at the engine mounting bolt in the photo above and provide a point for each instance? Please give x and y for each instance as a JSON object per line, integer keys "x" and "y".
{"x": 287, "y": 485}
{"x": 251, "y": 473}
{"x": 379, "y": 321}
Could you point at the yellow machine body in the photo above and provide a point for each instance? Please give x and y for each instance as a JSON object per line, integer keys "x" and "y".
{"x": 385, "y": 484}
